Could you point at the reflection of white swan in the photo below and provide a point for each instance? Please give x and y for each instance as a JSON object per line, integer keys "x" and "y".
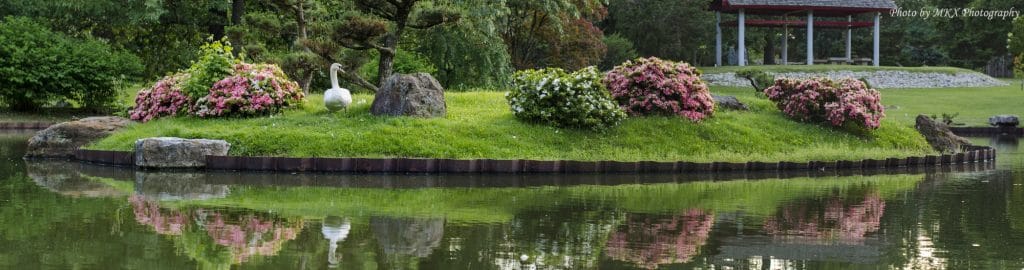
{"x": 336, "y": 98}
{"x": 335, "y": 230}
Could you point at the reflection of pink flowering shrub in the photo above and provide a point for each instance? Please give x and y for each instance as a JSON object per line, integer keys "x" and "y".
{"x": 148, "y": 213}
{"x": 837, "y": 221}
{"x": 648, "y": 86}
{"x": 251, "y": 236}
{"x": 244, "y": 236}
{"x": 251, "y": 90}
{"x": 824, "y": 100}
{"x": 651, "y": 242}
{"x": 165, "y": 98}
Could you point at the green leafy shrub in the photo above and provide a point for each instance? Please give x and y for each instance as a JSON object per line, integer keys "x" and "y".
{"x": 215, "y": 62}
{"x": 620, "y": 49}
{"x": 39, "y": 67}
{"x": 555, "y": 97}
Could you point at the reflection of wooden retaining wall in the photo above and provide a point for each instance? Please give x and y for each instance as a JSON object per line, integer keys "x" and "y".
{"x": 970, "y": 154}
{"x": 25, "y": 125}
{"x": 987, "y": 131}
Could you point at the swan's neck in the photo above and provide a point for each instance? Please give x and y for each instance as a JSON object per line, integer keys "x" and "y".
{"x": 334, "y": 75}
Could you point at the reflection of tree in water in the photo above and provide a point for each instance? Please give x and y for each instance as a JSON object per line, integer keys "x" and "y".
{"x": 407, "y": 238}
{"x": 649, "y": 241}
{"x": 240, "y": 235}
{"x": 839, "y": 220}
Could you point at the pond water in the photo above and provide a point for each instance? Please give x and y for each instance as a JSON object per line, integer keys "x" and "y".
{"x": 61, "y": 215}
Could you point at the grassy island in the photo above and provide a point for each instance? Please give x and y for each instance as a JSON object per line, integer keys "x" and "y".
{"x": 480, "y": 125}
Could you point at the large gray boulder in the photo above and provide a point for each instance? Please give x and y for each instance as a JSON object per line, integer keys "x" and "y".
{"x": 939, "y": 135}
{"x": 418, "y": 95}
{"x": 729, "y": 102}
{"x": 1004, "y": 120}
{"x": 166, "y": 152}
{"x": 62, "y": 140}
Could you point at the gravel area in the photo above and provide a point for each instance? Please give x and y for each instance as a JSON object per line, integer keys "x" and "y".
{"x": 878, "y": 79}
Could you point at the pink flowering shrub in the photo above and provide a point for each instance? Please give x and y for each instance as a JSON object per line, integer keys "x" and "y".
{"x": 165, "y": 98}
{"x": 251, "y": 90}
{"x": 651, "y": 86}
{"x": 823, "y": 100}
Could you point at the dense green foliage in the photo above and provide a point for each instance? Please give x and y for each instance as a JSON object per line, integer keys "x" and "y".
{"x": 669, "y": 29}
{"x": 561, "y": 99}
{"x": 39, "y": 67}
{"x": 620, "y": 50}
{"x": 214, "y": 64}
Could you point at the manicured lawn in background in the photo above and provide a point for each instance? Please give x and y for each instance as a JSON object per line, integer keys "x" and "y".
{"x": 821, "y": 68}
{"x": 480, "y": 125}
{"x": 975, "y": 104}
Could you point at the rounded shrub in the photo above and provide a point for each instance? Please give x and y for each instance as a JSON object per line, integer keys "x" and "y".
{"x": 651, "y": 86}
{"x": 165, "y": 98}
{"x": 39, "y": 67}
{"x": 553, "y": 96}
{"x": 242, "y": 90}
{"x": 251, "y": 90}
{"x": 823, "y": 100}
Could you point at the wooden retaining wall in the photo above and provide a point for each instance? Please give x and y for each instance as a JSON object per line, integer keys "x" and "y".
{"x": 970, "y": 154}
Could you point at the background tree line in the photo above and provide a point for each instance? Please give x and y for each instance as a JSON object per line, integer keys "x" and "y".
{"x": 479, "y": 43}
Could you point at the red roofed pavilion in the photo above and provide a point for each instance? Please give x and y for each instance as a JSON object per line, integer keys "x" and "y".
{"x": 792, "y": 8}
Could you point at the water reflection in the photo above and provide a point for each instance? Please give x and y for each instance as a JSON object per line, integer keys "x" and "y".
{"x": 1004, "y": 142}
{"x": 832, "y": 219}
{"x": 335, "y": 230}
{"x": 212, "y": 234}
{"x": 651, "y": 240}
{"x": 169, "y": 186}
{"x": 116, "y": 218}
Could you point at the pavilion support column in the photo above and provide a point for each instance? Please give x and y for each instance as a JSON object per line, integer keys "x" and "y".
{"x": 878, "y": 20}
{"x": 849, "y": 38}
{"x": 741, "y": 51}
{"x": 785, "y": 44}
{"x": 810, "y": 37}
{"x": 718, "y": 38}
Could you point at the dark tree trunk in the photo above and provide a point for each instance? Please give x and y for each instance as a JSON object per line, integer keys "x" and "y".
{"x": 217, "y": 22}
{"x": 387, "y": 55}
{"x": 769, "y": 49}
{"x": 237, "y": 11}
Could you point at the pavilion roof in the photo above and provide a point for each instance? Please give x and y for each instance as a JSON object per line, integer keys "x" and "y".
{"x": 820, "y": 7}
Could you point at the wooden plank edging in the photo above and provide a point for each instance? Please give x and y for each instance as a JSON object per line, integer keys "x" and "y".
{"x": 971, "y": 154}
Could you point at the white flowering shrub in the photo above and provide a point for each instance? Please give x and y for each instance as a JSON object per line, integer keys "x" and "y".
{"x": 552, "y": 96}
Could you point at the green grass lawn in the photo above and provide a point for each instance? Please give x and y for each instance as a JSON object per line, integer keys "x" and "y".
{"x": 822, "y": 68}
{"x": 480, "y": 125}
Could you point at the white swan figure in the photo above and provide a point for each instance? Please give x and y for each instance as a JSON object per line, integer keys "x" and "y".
{"x": 336, "y": 98}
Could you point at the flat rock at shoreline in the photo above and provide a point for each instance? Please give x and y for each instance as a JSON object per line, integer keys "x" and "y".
{"x": 166, "y": 152}
{"x": 62, "y": 140}
{"x": 877, "y": 79}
